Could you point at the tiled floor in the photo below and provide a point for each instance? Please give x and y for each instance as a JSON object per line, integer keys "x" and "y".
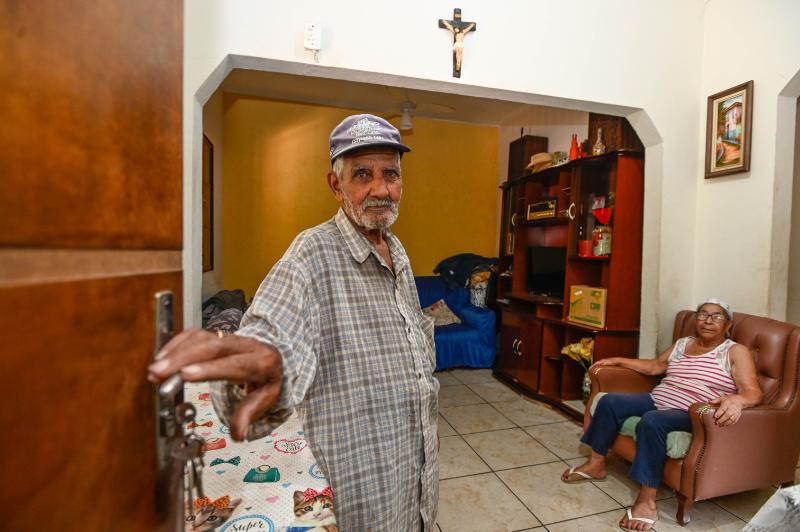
{"x": 502, "y": 455}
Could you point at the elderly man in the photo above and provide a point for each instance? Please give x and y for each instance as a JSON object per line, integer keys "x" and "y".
{"x": 336, "y": 332}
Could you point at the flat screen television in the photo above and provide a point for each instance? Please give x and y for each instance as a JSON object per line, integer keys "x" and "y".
{"x": 546, "y": 266}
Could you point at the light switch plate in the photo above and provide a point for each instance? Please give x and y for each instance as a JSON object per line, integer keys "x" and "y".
{"x": 312, "y": 36}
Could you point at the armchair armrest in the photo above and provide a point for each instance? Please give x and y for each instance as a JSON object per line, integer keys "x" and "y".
{"x": 757, "y": 451}
{"x": 478, "y": 318}
{"x": 617, "y": 379}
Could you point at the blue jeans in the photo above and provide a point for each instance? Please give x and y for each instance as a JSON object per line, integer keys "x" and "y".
{"x": 651, "y": 432}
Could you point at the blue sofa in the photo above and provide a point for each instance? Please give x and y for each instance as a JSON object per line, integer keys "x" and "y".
{"x": 470, "y": 343}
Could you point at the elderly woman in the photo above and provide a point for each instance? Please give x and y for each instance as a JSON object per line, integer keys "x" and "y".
{"x": 706, "y": 367}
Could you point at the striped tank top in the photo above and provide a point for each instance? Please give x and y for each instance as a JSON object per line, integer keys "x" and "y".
{"x": 693, "y": 379}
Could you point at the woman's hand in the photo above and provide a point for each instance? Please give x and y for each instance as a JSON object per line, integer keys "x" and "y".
{"x": 613, "y": 361}
{"x": 729, "y": 409}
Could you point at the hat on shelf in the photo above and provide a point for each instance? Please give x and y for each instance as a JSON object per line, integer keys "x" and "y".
{"x": 540, "y": 161}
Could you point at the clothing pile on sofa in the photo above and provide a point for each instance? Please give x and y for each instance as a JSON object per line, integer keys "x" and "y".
{"x": 470, "y": 270}
{"x": 224, "y": 310}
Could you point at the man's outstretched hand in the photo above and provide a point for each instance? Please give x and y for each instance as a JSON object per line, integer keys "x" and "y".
{"x": 200, "y": 355}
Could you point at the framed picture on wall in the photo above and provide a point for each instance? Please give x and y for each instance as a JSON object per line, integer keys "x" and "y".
{"x": 208, "y": 205}
{"x": 728, "y": 131}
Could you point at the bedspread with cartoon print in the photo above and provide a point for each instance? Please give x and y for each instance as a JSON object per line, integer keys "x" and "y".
{"x": 268, "y": 485}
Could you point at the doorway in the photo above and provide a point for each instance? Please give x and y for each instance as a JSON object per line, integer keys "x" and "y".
{"x": 384, "y": 94}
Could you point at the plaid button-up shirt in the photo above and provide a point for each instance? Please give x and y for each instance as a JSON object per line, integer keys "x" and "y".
{"x": 358, "y": 357}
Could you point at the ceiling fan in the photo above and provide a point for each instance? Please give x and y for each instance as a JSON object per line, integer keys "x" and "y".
{"x": 407, "y": 108}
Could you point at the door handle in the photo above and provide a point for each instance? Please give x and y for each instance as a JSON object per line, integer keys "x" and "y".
{"x": 515, "y": 347}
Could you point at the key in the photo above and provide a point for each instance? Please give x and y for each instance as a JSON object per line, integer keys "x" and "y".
{"x": 196, "y": 462}
{"x": 183, "y": 451}
{"x": 169, "y": 476}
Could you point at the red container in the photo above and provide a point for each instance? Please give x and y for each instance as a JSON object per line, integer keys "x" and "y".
{"x": 585, "y": 248}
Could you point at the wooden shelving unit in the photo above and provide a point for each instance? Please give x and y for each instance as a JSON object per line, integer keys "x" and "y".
{"x": 534, "y": 328}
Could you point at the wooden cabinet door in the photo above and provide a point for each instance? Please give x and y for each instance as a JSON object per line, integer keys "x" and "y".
{"x": 90, "y": 229}
{"x": 520, "y": 344}
{"x": 509, "y": 361}
{"x": 530, "y": 354}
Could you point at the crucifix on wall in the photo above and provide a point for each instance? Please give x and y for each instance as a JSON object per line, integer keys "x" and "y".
{"x": 459, "y": 28}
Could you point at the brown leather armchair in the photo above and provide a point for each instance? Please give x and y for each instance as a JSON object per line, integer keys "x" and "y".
{"x": 760, "y": 450}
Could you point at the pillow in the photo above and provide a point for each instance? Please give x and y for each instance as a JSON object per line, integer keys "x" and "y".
{"x": 441, "y": 314}
{"x": 678, "y": 442}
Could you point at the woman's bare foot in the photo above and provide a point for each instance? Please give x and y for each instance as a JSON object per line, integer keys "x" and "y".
{"x": 595, "y": 467}
{"x": 644, "y": 507}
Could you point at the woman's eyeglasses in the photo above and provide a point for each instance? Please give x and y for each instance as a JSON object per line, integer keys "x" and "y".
{"x": 717, "y": 316}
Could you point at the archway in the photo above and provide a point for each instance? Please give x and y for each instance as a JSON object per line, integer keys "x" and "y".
{"x": 637, "y": 117}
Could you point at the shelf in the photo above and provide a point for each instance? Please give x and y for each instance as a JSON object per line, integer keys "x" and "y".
{"x": 595, "y": 329}
{"x": 544, "y": 300}
{"x": 591, "y": 259}
{"x": 589, "y": 161}
{"x": 546, "y": 221}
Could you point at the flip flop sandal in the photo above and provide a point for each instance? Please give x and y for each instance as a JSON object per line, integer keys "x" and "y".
{"x": 586, "y": 477}
{"x": 645, "y": 520}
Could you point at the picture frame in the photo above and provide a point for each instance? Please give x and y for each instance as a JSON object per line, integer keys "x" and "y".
{"x": 729, "y": 131}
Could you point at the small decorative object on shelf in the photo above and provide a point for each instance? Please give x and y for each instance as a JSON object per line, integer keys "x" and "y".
{"x": 601, "y": 241}
{"x": 581, "y": 352}
{"x": 585, "y": 248}
{"x": 560, "y": 157}
{"x": 574, "y": 150}
{"x": 599, "y": 147}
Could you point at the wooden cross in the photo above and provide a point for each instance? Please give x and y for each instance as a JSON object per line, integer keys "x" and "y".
{"x": 459, "y": 28}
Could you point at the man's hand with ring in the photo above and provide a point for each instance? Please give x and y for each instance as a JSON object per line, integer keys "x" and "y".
{"x": 729, "y": 409}
{"x": 200, "y": 355}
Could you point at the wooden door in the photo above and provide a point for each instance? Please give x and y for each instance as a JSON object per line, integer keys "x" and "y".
{"x": 90, "y": 229}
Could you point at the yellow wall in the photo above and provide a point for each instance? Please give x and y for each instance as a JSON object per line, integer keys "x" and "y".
{"x": 274, "y": 186}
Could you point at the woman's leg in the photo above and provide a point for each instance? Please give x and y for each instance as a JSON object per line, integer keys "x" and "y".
{"x": 611, "y": 412}
{"x": 651, "y": 443}
{"x": 651, "y": 454}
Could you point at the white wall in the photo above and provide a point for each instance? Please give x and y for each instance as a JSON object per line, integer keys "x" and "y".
{"x": 625, "y": 53}
{"x": 212, "y": 128}
{"x": 736, "y": 216}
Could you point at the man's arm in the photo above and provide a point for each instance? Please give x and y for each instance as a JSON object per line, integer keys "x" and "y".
{"x": 264, "y": 370}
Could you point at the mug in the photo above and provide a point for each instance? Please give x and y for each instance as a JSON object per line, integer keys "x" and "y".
{"x": 585, "y": 248}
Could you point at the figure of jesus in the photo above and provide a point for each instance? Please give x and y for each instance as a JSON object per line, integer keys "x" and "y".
{"x": 458, "y": 42}
{"x": 458, "y": 28}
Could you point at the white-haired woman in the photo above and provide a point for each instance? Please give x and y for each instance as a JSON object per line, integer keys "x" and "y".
{"x": 706, "y": 367}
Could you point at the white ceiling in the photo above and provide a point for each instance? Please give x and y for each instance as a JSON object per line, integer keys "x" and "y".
{"x": 385, "y": 100}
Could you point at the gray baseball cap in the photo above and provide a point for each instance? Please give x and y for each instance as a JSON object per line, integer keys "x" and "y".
{"x": 361, "y": 131}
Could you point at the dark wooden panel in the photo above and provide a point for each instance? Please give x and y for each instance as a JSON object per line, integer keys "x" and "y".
{"x": 618, "y": 133}
{"x": 520, "y": 152}
{"x": 79, "y": 411}
{"x": 91, "y": 131}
